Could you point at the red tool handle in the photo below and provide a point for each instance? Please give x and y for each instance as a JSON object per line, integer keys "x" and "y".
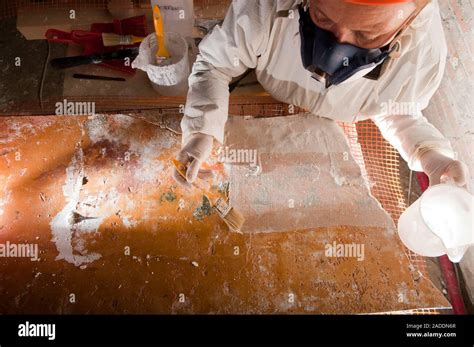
{"x": 54, "y": 35}
{"x": 91, "y": 41}
{"x": 81, "y": 37}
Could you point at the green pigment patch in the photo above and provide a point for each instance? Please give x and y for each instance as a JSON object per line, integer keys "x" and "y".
{"x": 205, "y": 209}
{"x": 168, "y": 196}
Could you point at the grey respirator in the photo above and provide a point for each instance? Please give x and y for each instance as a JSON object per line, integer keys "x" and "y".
{"x": 331, "y": 62}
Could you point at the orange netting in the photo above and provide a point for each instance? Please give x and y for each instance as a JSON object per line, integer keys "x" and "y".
{"x": 379, "y": 162}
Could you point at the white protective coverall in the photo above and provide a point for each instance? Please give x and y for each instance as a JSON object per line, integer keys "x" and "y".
{"x": 254, "y": 35}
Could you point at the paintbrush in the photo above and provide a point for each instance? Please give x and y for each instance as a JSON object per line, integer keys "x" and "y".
{"x": 162, "y": 54}
{"x": 231, "y": 216}
{"x": 110, "y": 39}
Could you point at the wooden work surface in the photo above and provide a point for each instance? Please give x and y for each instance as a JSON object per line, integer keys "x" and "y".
{"x": 137, "y": 85}
{"x": 149, "y": 246}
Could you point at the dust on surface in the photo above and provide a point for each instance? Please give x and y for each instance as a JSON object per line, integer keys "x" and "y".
{"x": 149, "y": 249}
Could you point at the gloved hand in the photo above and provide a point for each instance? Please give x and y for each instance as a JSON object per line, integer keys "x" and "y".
{"x": 441, "y": 169}
{"x": 196, "y": 150}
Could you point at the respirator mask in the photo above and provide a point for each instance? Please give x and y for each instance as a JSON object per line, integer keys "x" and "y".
{"x": 330, "y": 62}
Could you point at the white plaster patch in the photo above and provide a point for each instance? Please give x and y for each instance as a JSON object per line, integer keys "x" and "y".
{"x": 62, "y": 226}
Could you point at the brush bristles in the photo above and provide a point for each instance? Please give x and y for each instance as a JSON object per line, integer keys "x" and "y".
{"x": 110, "y": 39}
{"x": 231, "y": 216}
{"x": 234, "y": 220}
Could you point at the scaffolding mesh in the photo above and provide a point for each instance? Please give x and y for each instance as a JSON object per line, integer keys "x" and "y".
{"x": 380, "y": 165}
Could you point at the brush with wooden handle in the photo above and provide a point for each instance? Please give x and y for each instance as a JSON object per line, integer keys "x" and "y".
{"x": 231, "y": 216}
{"x": 110, "y": 39}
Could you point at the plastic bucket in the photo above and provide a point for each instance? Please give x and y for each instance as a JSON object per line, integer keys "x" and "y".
{"x": 439, "y": 222}
{"x": 170, "y": 79}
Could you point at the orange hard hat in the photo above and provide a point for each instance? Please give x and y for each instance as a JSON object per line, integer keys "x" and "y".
{"x": 377, "y": 2}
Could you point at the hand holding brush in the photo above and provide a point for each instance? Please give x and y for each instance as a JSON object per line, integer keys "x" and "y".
{"x": 196, "y": 150}
{"x": 187, "y": 167}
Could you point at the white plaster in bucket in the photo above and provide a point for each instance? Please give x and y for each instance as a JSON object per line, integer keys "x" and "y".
{"x": 170, "y": 79}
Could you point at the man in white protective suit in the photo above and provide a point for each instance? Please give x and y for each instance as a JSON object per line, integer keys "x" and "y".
{"x": 346, "y": 60}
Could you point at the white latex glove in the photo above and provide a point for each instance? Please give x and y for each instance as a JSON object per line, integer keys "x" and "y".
{"x": 440, "y": 169}
{"x": 196, "y": 151}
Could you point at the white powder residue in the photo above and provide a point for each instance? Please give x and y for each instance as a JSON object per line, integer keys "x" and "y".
{"x": 81, "y": 217}
{"x": 92, "y": 210}
{"x": 115, "y": 130}
{"x": 127, "y": 222}
{"x": 99, "y": 127}
{"x": 340, "y": 180}
{"x": 17, "y": 128}
{"x": 62, "y": 226}
{"x": 21, "y": 130}
{"x": 5, "y": 197}
{"x": 97, "y": 208}
{"x": 150, "y": 168}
